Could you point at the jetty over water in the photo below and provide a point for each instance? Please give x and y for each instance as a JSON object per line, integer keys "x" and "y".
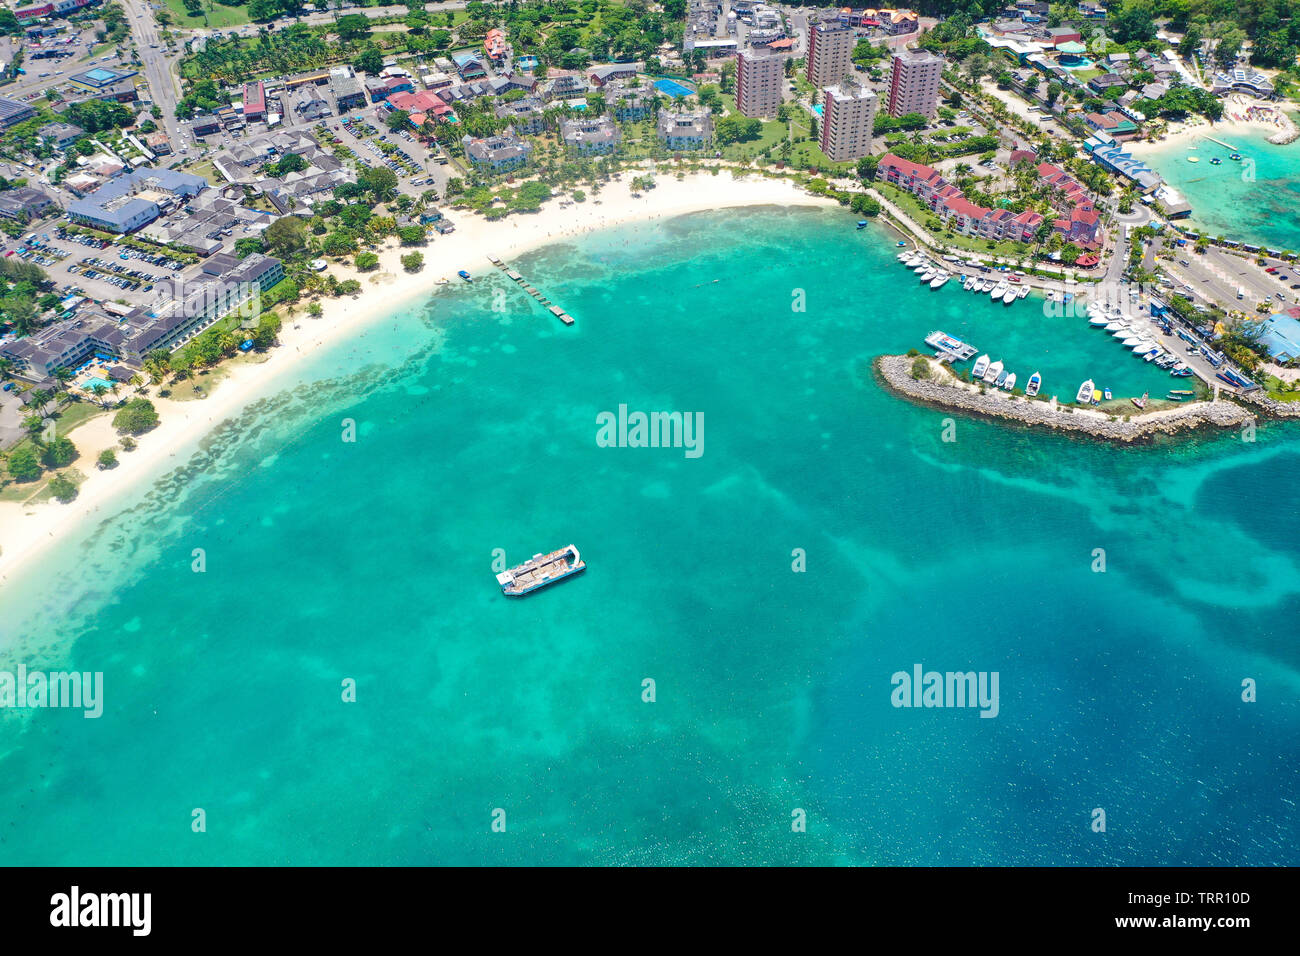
{"x": 520, "y": 281}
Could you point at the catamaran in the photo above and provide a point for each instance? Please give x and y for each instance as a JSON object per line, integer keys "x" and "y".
{"x": 981, "y": 366}
{"x": 1010, "y": 382}
{"x": 1033, "y": 385}
{"x": 1084, "y": 394}
{"x": 994, "y": 370}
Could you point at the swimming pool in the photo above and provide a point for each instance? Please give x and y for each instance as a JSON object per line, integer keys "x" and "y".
{"x": 819, "y": 109}
{"x": 673, "y": 88}
{"x": 94, "y": 384}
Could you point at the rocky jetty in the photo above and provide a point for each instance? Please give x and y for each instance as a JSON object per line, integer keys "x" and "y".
{"x": 942, "y": 389}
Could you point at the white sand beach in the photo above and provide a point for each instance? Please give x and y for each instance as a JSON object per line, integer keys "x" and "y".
{"x": 1237, "y": 122}
{"x": 27, "y": 529}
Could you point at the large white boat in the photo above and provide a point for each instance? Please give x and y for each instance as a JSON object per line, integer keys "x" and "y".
{"x": 1132, "y": 341}
{"x": 1010, "y": 295}
{"x": 967, "y": 282}
{"x": 1010, "y": 382}
{"x": 1099, "y": 321}
{"x": 1085, "y": 393}
{"x": 1114, "y": 326}
{"x": 998, "y": 291}
{"x": 922, "y": 265}
{"x": 1033, "y": 385}
{"x": 1143, "y": 347}
{"x": 938, "y": 281}
{"x": 992, "y": 373}
{"x": 928, "y": 274}
{"x": 981, "y": 366}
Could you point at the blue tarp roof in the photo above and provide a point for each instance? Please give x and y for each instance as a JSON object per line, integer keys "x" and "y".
{"x": 1281, "y": 335}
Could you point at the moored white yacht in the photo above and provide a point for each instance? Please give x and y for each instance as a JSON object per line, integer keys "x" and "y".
{"x": 1010, "y": 382}
{"x": 1085, "y": 392}
{"x": 1033, "y": 385}
{"x": 981, "y": 366}
{"x": 1010, "y": 295}
{"x": 992, "y": 373}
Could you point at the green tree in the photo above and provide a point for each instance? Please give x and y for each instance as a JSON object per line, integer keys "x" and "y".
{"x": 413, "y": 261}
{"x": 369, "y": 60}
{"x": 59, "y": 453}
{"x": 366, "y": 261}
{"x": 62, "y": 489}
{"x": 286, "y": 235}
{"x": 137, "y": 416}
{"x": 23, "y": 465}
{"x": 107, "y": 459}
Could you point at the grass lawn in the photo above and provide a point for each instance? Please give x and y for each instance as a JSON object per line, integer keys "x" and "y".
{"x": 217, "y": 18}
{"x": 208, "y": 172}
{"x": 1277, "y": 390}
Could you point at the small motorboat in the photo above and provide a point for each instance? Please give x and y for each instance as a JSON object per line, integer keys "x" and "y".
{"x": 1152, "y": 355}
{"x": 1010, "y": 295}
{"x": 928, "y": 275}
{"x": 1184, "y": 392}
{"x": 1216, "y": 161}
{"x": 1099, "y": 321}
{"x": 938, "y": 281}
{"x": 862, "y": 224}
{"x": 1133, "y": 341}
{"x": 998, "y": 291}
{"x": 1175, "y": 397}
{"x": 1236, "y": 156}
{"x": 1114, "y": 326}
{"x": 465, "y": 275}
{"x": 1084, "y": 395}
{"x": 1105, "y": 393}
{"x": 1000, "y": 380}
{"x": 992, "y": 373}
{"x": 901, "y": 243}
{"x": 1010, "y": 383}
{"x": 1140, "y": 402}
{"x": 1033, "y": 385}
{"x": 981, "y": 366}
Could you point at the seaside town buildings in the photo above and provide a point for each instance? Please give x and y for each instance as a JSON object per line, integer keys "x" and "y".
{"x": 497, "y": 154}
{"x": 849, "y": 115}
{"x": 949, "y": 203}
{"x": 914, "y": 83}
{"x": 591, "y": 136}
{"x": 687, "y": 130}
{"x": 759, "y": 76}
{"x": 223, "y": 285}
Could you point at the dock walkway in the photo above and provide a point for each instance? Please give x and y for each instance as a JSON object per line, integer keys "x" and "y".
{"x": 520, "y": 281}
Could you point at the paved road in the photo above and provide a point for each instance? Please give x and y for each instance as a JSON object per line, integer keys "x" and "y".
{"x": 160, "y": 69}
{"x": 316, "y": 19}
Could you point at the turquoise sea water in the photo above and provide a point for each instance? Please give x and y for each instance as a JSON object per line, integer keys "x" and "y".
{"x": 476, "y": 429}
{"x": 1253, "y": 200}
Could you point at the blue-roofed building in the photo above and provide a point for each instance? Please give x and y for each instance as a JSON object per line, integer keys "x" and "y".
{"x": 134, "y": 199}
{"x": 1281, "y": 336}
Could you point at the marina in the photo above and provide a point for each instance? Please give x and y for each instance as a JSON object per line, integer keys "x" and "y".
{"x": 520, "y": 281}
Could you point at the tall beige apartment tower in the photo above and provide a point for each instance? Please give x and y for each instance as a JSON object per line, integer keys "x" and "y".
{"x": 914, "y": 83}
{"x": 830, "y": 53}
{"x": 758, "y": 83}
{"x": 849, "y": 113}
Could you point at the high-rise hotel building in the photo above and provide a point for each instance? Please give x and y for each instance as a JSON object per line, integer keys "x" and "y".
{"x": 759, "y": 76}
{"x": 830, "y": 53}
{"x": 849, "y": 114}
{"x": 914, "y": 83}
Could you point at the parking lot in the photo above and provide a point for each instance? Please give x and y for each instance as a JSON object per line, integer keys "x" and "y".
{"x": 415, "y": 166}
{"x": 95, "y": 267}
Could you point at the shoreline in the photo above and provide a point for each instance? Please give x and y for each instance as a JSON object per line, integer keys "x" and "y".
{"x": 27, "y": 530}
{"x": 1184, "y": 134}
{"x": 945, "y": 391}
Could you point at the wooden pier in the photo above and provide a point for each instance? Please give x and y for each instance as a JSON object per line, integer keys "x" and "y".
{"x": 520, "y": 281}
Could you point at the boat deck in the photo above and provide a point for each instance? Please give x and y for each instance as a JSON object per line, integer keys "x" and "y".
{"x": 540, "y": 570}
{"x": 942, "y": 341}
